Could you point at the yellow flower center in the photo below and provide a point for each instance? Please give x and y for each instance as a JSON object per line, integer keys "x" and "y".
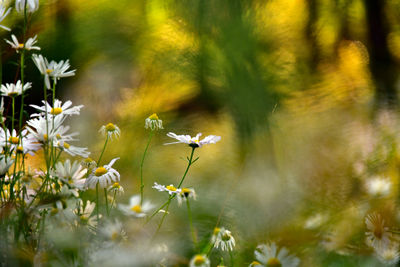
{"x": 153, "y": 116}
{"x": 226, "y": 237}
{"x": 54, "y": 211}
{"x": 110, "y": 127}
{"x": 116, "y": 185}
{"x": 14, "y": 140}
{"x": 254, "y": 263}
{"x": 114, "y": 236}
{"x": 45, "y": 137}
{"x": 137, "y": 208}
{"x": 20, "y": 45}
{"x": 186, "y": 190}
{"x": 274, "y": 262}
{"x": 66, "y": 145}
{"x": 171, "y": 187}
{"x": 70, "y": 181}
{"x": 198, "y": 260}
{"x": 12, "y": 94}
{"x": 56, "y": 111}
{"x": 84, "y": 219}
{"x": 48, "y": 71}
{"x": 88, "y": 160}
{"x": 20, "y": 149}
{"x": 217, "y": 230}
{"x": 100, "y": 171}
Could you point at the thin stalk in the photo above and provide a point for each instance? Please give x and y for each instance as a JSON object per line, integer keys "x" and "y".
{"x": 191, "y": 224}
{"x": 112, "y": 202}
{"x": 102, "y": 152}
{"x": 141, "y": 167}
{"x": 13, "y": 112}
{"x": 105, "y": 196}
{"x": 97, "y": 201}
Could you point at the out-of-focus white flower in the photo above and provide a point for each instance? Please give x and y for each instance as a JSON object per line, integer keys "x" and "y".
{"x": 199, "y": 260}
{"x": 88, "y": 163}
{"x": 378, "y": 236}
{"x": 153, "y": 123}
{"x": 11, "y": 89}
{"x": 5, "y": 164}
{"x": 71, "y": 174}
{"x": 111, "y": 130}
{"x": 134, "y": 208}
{"x": 113, "y": 231}
{"x": 223, "y": 239}
{"x": 116, "y": 188}
{"x": 29, "y": 44}
{"x": 171, "y": 189}
{"x": 315, "y": 221}
{"x": 85, "y": 213}
{"x": 378, "y": 186}
{"x": 3, "y": 14}
{"x": 255, "y": 264}
{"x": 388, "y": 255}
{"x": 46, "y": 130}
{"x": 270, "y": 255}
{"x": 58, "y": 109}
{"x": 52, "y": 69}
{"x": 104, "y": 175}
{"x": 185, "y": 194}
{"x": 194, "y": 141}
{"x": 31, "y": 6}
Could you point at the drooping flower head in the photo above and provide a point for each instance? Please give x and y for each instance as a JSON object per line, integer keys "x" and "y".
{"x": 378, "y": 236}
{"x": 111, "y": 130}
{"x": 171, "y": 189}
{"x": 31, "y": 6}
{"x": 14, "y": 89}
{"x": 104, "y": 175}
{"x": 153, "y": 123}
{"x": 185, "y": 194}
{"x": 194, "y": 141}
{"x": 116, "y": 188}
{"x": 223, "y": 239}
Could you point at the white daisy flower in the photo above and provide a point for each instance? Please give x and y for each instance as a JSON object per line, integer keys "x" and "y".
{"x": 134, "y": 208}
{"x": 5, "y": 164}
{"x": 104, "y": 175}
{"x": 199, "y": 261}
{"x": 255, "y": 264}
{"x": 88, "y": 163}
{"x": 11, "y": 89}
{"x": 46, "y": 130}
{"x": 185, "y": 194}
{"x": 31, "y": 6}
{"x": 28, "y": 145}
{"x": 270, "y": 255}
{"x": 71, "y": 149}
{"x": 52, "y": 69}
{"x": 153, "y": 123}
{"x": 111, "y": 130}
{"x": 71, "y": 174}
{"x": 3, "y": 14}
{"x": 378, "y": 186}
{"x": 223, "y": 239}
{"x": 194, "y": 141}
{"x": 116, "y": 188}
{"x": 378, "y": 236}
{"x": 29, "y": 44}
{"x": 171, "y": 189}
{"x": 388, "y": 255}
{"x": 113, "y": 231}
{"x": 59, "y": 109}
{"x": 85, "y": 213}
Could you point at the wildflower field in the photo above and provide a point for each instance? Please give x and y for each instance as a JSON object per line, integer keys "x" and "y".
{"x": 200, "y": 133}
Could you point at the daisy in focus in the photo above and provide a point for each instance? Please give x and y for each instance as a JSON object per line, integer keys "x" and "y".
{"x": 153, "y": 123}
{"x": 193, "y": 141}
{"x": 59, "y": 108}
{"x": 171, "y": 189}
{"x": 223, "y": 239}
{"x": 199, "y": 261}
{"x": 270, "y": 255}
{"x": 111, "y": 130}
{"x": 134, "y": 208}
{"x": 103, "y": 175}
{"x": 11, "y": 89}
{"x": 29, "y": 44}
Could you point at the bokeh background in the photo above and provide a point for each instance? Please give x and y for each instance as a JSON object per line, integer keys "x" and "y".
{"x": 304, "y": 94}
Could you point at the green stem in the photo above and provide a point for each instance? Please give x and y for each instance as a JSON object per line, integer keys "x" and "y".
{"x": 102, "y": 152}
{"x": 191, "y": 224}
{"x": 13, "y": 113}
{"x": 231, "y": 257}
{"x": 105, "y": 195}
{"x": 112, "y": 202}
{"x": 141, "y": 167}
{"x": 97, "y": 201}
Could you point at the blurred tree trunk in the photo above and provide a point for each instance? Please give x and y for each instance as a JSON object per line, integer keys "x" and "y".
{"x": 382, "y": 65}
